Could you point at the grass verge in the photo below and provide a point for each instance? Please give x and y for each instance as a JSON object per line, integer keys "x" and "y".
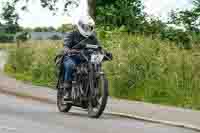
{"x": 143, "y": 69}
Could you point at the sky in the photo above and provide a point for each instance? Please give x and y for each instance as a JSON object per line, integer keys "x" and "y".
{"x": 38, "y": 16}
{"x": 161, "y": 8}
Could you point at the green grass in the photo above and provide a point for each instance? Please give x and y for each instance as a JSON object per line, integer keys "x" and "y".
{"x": 161, "y": 73}
{"x": 6, "y": 46}
{"x": 34, "y": 61}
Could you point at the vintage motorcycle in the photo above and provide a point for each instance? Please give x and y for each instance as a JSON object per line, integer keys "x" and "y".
{"x": 89, "y": 86}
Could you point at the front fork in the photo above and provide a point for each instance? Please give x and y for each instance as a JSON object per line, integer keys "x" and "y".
{"x": 91, "y": 81}
{"x": 94, "y": 73}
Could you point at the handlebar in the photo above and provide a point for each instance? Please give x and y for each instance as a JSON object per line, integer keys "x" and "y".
{"x": 86, "y": 51}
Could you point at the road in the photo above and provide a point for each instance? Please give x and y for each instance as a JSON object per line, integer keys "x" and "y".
{"x": 19, "y": 115}
{"x": 2, "y": 59}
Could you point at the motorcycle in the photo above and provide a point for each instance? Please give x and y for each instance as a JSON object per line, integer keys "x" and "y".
{"x": 89, "y": 86}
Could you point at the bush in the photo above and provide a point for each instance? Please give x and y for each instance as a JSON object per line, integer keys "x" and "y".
{"x": 23, "y": 36}
{"x": 4, "y": 38}
{"x": 55, "y": 37}
{"x": 181, "y": 38}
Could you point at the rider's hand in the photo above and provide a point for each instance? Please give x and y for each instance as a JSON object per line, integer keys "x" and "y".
{"x": 74, "y": 51}
{"x": 109, "y": 55}
{"x": 66, "y": 50}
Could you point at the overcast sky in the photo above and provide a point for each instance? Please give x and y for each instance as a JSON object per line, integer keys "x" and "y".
{"x": 42, "y": 17}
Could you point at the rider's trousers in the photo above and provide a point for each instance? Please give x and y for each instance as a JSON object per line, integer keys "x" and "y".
{"x": 69, "y": 63}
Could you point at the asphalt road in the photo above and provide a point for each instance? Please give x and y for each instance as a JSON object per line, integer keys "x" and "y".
{"x": 25, "y": 116}
{"x": 2, "y": 59}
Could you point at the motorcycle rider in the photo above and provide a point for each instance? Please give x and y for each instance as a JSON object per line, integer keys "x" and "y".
{"x": 83, "y": 33}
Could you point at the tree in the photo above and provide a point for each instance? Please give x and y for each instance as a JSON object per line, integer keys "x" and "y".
{"x": 64, "y": 28}
{"x": 197, "y": 9}
{"x": 188, "y": 18}
{"x": 44, "y": 29}
{"x": 9, "y": 14}
{"x": 51, "y": 29}
{"x": 92, "y": 9}
{"x": 117, "y": 13}
{"x": 197, "y": 5}
{"x": 12, "y": 28}
{"x": 51, "y": 5}
{"x": 38, "y": 29}
{"x": 153, "y": 27}
{"x": 10, "y": 17}
{"x": 173, "y": 17}
{"x": 28, "y": 29}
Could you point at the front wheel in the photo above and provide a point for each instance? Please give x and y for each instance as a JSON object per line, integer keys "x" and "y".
{"x": 62, "y": 106}
{"x": 98, "y": 99}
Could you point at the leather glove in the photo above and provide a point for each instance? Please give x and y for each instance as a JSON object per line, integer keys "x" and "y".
{"x": 66, "y": 50}
{"x": 109, "y": 55}
{"x": 74, "y": 51}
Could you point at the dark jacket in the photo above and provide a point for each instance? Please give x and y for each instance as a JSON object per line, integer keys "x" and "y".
{"x": 74, "y": 37}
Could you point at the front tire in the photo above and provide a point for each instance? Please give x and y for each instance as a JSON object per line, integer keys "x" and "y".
{"x": 61, "y": 106}
{"x": 97, "y": 106}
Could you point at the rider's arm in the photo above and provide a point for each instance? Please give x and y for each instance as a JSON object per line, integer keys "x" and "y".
{"x": 68, "y": 43}
{"x": 68, "y": 40}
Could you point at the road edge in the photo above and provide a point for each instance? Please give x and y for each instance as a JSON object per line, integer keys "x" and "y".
{"x": 124, "y": 115}
{"x": 151, "y": 120}
{"x": 27, "y": 96}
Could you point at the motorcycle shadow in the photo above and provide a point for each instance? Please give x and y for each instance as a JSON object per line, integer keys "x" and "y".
{"x": 83, "y": 114}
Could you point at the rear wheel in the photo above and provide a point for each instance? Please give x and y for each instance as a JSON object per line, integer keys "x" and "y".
{"x": 98, "y": 100}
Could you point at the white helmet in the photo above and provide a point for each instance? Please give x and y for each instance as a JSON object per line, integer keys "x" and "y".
{"x": 85, "y": 25}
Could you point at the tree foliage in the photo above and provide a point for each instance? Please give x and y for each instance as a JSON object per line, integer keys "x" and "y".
{"x": 43, "y": 29}
{"x": 121, "y": 12}
{"x": 129, "y": 16}
{"x": 190, "y": 18}
{"x": 9, "y": 14}
{"x": 116, "y": 13}
{"x": 10, "y": 17}
{"x": 64, "y": 28}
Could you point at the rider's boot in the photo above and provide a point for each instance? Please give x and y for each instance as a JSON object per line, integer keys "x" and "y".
{"x": 68, "y": 86}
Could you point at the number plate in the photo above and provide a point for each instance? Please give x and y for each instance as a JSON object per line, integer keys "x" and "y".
{"x": 97, "y": 58}
{"x": 92, "y": 46}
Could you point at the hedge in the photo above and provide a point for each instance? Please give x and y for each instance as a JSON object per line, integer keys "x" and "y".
{"x": 6, "y": 37}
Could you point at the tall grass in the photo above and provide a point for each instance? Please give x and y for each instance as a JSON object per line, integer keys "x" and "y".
{"x": 143, "y": 69}
{"x": 153, "y": 71}
{"x": 34, "y": 61}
